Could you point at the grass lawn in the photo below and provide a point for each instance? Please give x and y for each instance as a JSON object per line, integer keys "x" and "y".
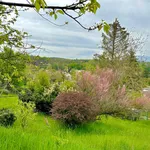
{"x": 107, "y": 134}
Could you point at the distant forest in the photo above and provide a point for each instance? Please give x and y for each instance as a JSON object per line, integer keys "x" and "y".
{"x": 59, "y": 63}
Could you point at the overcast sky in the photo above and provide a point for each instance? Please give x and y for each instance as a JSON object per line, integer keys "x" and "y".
{"x": 71, "y": 41}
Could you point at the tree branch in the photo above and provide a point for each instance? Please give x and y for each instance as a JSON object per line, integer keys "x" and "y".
{"x": 75, "y": 19}
{"x": 69, "y": 7}
{"x": 76, "y": 7}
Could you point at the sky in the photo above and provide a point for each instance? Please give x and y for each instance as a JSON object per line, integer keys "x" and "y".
{"x": 72, "y": 41}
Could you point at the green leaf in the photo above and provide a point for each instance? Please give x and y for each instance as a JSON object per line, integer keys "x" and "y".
{"x": 106, "y": 27}
{"x": 37, "y": 5}
{"x": 92, "y": 6}
{"x": 32, "y": 46}
{"x": 60, "y": 11}
{"x": 32, "y": 1}
{"x": 43, "y": 3}
{"x": 98, "y": 5}
{"x": 51, "y": 13}
{"x": 82, "y": 10}
{"x": 55, "y": 16}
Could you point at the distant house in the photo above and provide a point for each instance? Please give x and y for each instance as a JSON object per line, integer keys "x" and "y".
{"x": 146, "y": 92}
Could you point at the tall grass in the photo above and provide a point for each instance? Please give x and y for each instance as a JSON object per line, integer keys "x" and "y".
{"x": 46, "y": 134}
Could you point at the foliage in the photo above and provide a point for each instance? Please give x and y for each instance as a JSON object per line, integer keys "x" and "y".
{"x": 4, "y": 92}
{"x": 76, "y": 66}
{"x": 12, "y": 66}
{"x": 43, "y": 78}
{"x": 41, "y": 81}
{"x": 132, "y": 74}
{"x": 103, "y": 90}
{"x": 130, "y": 114}
{"x": 7, "y": 118}
{"x": 58, "y": 63}
{"x": 142, "y": 103}
{"x": 8, "y": 35}
{"x": 119, "y": 54}
{"x": 12, "y": 63}
{"x": 37, "y": 79}
{"x": 146, "y": 67}
{"x": 42, "y": 102}
{"x": 115, "y": 44}
{"x": 68, "y": 85}
{"x": 42, "y": 99}
{"x": 41, "y": 88}
{"x": 87, "y": 81}
{"x": 118, "y": 48}
{"x": 25, "y": 112}
{"x": 146, "y": 72}
{"x": 83, "y": 6}
{"x": 74, "y": 108}
{"x": 57, "y": 76}
{"x": 74, "y": 11}
{"x": 26, "y": 95}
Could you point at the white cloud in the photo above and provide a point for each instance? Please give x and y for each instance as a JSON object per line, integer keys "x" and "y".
{"x": 74, "y": 42}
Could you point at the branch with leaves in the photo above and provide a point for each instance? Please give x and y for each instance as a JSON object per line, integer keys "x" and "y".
{"x": 80, "y": 8}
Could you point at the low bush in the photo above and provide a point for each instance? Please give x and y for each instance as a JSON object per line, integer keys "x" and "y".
{"x": 25, "y": 112}
{"x": 5, "y": 91}
{"x": 7, "y": 118}
{"x": 142, "y": 103}
{"x": 43, "y": 103}
{"x": 42, "y": 99}
{"x": 129, "y": 114}
{"x": 26, "y": 95}
{"x": 74, "y": 108}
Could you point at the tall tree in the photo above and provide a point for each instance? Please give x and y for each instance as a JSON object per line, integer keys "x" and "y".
{"x": 119, "y": 54}
{"x": 12, "y": 65}
{"x": 132, "y": 72}
{"x": 12, "y": 59}
{"x": 115, "y": 42}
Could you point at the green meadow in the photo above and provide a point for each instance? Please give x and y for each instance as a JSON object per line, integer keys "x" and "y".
{"x": 43, "y": 133}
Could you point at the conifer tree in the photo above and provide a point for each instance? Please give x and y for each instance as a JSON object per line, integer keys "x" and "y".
{"x": 115, "y": 43}
{"x": 119, "y": 53}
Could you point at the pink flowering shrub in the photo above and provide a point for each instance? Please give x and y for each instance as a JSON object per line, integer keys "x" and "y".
{"x": 102, "y": 89}
{"x": 95, "y": 84}
{"x": 142, "y": 103}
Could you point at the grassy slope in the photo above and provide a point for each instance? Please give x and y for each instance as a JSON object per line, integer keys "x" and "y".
{"x": 108, "y": 134}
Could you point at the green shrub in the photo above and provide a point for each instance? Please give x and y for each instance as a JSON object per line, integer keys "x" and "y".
{"x": 74, "y": 108}
{"x": 25, "y": 112}
{"x": 67, "y": 85}
{"x": 43, "y": 103}
{"x": 7, "y": 118}
{"x": 43, "y": 100}
{"x": 5, "y": 91}
{"x": 130, "y": 114}
{"x": 26, "y": 95}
